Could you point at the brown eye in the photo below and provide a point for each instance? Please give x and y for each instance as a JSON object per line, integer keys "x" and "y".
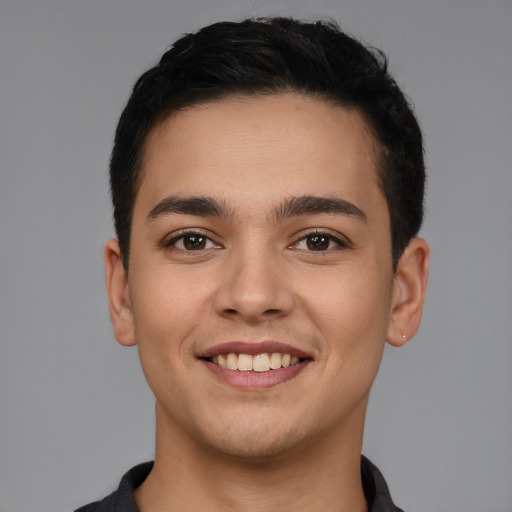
{"x": 191, "y": 241}
{"x": 318, "y": 242}
{"x": 321, "y": 242}
{"x": 194, "y": 242}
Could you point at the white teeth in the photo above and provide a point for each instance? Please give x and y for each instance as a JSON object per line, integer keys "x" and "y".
{"x": 275, "y": 361}
{"x": 232, "y": 361}
{"x": 258, "y": 363}
{"x": 244, "y": 362}
{"x": 261, "y": 363}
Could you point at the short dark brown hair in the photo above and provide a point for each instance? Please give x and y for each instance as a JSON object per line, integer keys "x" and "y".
{"x": 271, "y": 56}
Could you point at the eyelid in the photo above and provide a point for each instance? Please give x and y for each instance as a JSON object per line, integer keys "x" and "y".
{"x": 170, "y": 240}
{"x": 341, "y": 240}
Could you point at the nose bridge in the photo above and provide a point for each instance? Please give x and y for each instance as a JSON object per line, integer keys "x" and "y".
{"x": 254, "y": 284}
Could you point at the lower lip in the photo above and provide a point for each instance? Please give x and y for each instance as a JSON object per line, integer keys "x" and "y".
{"x": 255, "y": 380}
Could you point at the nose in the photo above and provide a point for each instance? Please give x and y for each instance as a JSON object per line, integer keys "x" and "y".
{"x": 254, "y": 287}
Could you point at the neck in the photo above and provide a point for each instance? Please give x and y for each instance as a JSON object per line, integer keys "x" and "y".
{"x": 322, "y": 475}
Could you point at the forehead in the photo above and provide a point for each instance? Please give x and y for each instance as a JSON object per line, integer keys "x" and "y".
{"x": 259, "y": 148}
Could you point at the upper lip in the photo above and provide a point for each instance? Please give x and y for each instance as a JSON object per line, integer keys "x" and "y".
{"x": 263, "y": 347}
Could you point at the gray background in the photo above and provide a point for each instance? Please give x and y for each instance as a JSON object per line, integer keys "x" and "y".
{"x": 75, "y": 412}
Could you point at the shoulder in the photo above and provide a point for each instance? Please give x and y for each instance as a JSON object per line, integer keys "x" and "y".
{"x": 375, "y": 488}
{"x": 122, "y": 500}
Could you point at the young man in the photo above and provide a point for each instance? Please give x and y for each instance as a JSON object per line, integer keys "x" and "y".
{"x": 267, "y": 179}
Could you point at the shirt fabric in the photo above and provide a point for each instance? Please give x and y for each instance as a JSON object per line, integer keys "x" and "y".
{"x": 375, "y": 489}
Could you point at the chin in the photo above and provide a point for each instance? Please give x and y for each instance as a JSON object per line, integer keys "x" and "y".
{"x": 256, "y": 450}
{"x": 256, "y": 440}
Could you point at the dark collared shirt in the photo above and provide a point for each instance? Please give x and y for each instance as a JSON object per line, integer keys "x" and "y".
{"x": 122, "y": 500}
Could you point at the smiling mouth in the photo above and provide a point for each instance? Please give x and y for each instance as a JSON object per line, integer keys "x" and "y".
{"x": 260, "y": 363}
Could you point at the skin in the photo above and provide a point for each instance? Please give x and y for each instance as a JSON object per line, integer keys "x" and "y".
{"x": 225, "y": 447}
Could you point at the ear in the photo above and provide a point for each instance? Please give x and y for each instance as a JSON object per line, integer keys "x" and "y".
{"x": 409, "y": 289}
{"x": 118, "y": 296}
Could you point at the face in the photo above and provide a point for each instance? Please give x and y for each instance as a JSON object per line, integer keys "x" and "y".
{"x": 261, "y": 240}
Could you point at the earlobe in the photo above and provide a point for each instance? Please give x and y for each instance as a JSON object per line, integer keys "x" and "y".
{"x": 409, "y": 289}
{"x": 118, "y": 297}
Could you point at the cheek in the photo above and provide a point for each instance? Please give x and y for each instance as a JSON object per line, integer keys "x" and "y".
{"x": 347, "y": 297}
{"x": 166, "y": 309}
{"x": 351, "y": 311}
{"x": 168, "y": 298}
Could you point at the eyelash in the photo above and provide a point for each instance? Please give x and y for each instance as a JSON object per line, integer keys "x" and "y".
{"x": 171, "y": 243}
{"x": 340, "y": 242}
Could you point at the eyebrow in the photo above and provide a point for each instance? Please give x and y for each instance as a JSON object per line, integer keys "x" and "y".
{"x": 204, "y": 206}
{"x": 315, "y": 205}
{"x": 200, "y": 206}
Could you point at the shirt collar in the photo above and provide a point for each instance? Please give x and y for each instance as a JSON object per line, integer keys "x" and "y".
{"x": 375, "y": 488}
